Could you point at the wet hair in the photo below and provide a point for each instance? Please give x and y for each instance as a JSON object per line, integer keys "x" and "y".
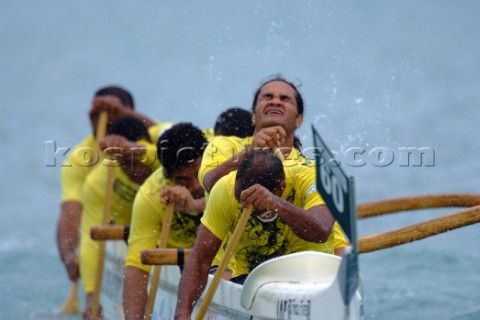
{"x": 277, "y": 77}
{"x": 297, "y": 143}
{"x": 180, "y": 146}
{"x": 260, "y": 167}
{"x": 130, "y": 128}
{"x": 125, "y": 97}
{"x": 234, "y": 121}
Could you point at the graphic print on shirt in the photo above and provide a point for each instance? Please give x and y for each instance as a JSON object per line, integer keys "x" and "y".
{"x": 185, "y": 226}
{"x": 266, "y": 237}
{"x": 124, "y": 191}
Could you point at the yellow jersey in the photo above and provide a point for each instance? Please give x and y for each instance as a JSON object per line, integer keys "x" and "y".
{"x": 265, "y": 236}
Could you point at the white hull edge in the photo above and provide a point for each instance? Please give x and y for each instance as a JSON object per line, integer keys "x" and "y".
{"x": 310, "y": 290}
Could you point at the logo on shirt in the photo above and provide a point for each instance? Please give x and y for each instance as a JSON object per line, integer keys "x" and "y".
{"x": 268, "y": 216}
{"x": 310, "y": 190}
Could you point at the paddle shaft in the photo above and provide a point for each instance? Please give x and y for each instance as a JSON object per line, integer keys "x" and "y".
{"x": 167, "y": 256}
{"x": 101, "y": 129}
{"x": 166, "y": 223}
{"x": 278, "y": 153}
{"x": 110, "y": 232}
{"x": 378, "y": 208}
{"x": 419, "y": 231}
{"x": 232, "y": 244}
{"x": 366, "y": 244}
{"x": 101, "y": 247}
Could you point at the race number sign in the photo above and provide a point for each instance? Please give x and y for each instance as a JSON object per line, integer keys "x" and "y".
{"x": 337, "y": 191}
{"x": 335, "y": 188}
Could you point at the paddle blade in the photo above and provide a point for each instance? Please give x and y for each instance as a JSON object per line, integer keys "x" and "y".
{"x": 71, "y": 304}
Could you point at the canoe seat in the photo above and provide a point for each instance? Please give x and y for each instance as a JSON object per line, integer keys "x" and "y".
{"x": 307, "y": 266}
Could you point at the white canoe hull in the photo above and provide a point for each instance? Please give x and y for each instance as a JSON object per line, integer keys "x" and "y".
{"x": 298, "y": 286}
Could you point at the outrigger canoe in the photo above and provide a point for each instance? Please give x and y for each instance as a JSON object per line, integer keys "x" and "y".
{"x": 298, "y": 286}
{"x": 305, "y": 285}
{"x": 302, "y": 285}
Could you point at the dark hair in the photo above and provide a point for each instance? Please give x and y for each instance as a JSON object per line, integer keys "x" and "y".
{"x": 234, "y": 121}
{"x": 130, "y": 128}
{"x": 297, "y": 143}
{"x": 125, "y": 97}
{"x": 260, "y": 167}
{"x": 278, "y": 77}
{"x": 180, "y": 146}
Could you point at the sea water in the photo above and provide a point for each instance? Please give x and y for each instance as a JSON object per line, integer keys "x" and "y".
{"x": 377, "y": 77}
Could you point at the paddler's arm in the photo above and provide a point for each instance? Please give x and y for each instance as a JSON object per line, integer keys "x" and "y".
{"x": 115, "y": 109}
{"x": 68, "y": 228}
{"x": 68, "y": 236}
{"x": 135, "y": 293}
{"x": 142, "y": 149}
{"x": 314, "y": 224}
{"x": 195, "y": 275}
{"x": 146, "y": 120}
{"x": 144, "y": 230}
{"x": 265, "y": 138}
{"x": 212, "y": 176}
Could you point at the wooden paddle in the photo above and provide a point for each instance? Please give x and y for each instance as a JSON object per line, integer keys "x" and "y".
{"x": 71, "y": 304}
{"x": 419, "y": 231}
{"x": 101, "y": 126}
{"x": 366, "y": 244}
{"x": 378, "y": 208}
{"x": 232, "y": 244}
{"x": 278, "y": 153}
{"x": 164, "y": 257}
{"x": 110, "y": 232}
{"x": 101, "y": 250}
{"x": 167, "y": 221}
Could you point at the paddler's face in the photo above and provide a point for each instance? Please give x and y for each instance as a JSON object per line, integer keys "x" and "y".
{"x": 136, "y": 170}
{"x": 188, "y": 177}
{"x": 276, "y": 106}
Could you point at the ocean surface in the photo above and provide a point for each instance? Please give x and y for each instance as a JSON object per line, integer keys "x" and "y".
{"x": 378, "y": 76}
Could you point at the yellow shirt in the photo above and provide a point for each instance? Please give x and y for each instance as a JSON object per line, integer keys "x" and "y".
{"x": 222, "y": 148}
{"x": 339, "y": 238}
{"x": 76, "y": 168}
{"x": 157, "y": 129}
{"x": 93, "y": 199}
{"x": 268, "y": 236}
{"x": 147, "y": 218}
{"x": 85, "y": 155}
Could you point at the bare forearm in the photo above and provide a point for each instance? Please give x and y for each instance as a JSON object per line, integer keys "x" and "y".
{"x": 192, "y": 284}
{"x": 135, "y": 293}
{"x": 194, "y": 277}
{"x": 199, "y": 205}
{"x": 146, "y": 120}
{"x": 88, "y": 313}
{"x": 68, "y": 227}
{"x": 68, "y": 236}
{"x": 223, "y": 169}
{"x": 314, "y": 227}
